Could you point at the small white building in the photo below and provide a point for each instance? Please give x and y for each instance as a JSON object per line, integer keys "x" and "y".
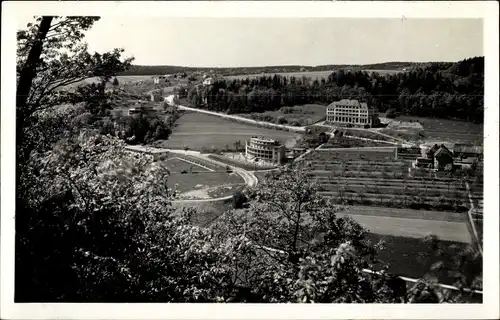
{"x": 170, "y": 100}
{"x": 208, "y": 81}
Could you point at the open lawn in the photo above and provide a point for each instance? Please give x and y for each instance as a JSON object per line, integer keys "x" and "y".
{"x": 197, "y": 131}
{"x": 303, "y": 115}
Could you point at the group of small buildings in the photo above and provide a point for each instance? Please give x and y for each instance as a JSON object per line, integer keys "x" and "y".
{"x": 142, "y": 107}
{"x": 351, "y": 113}
{"x": 441, "y": 158}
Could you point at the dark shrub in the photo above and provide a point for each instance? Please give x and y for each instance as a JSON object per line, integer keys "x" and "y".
{"x": 391, "y": 113}
{"x": 239, "y": 199}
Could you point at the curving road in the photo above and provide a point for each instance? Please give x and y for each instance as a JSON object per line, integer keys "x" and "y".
{"x": 248, "y": 176}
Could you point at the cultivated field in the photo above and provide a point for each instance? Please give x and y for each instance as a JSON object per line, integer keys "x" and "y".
{"x": 297, "y": 115}
{"x": 197, "y": 131}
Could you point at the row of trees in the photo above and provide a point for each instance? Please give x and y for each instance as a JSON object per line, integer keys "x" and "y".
{"x": 95, "y": 223}
{"x": 442, "y": 90}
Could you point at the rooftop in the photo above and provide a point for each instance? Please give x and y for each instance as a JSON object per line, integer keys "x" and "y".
{"x": 264, "y": 138}
{"x": 348, "y": 102}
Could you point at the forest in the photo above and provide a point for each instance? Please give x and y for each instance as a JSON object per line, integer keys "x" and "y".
{"x": 440, "y": 90}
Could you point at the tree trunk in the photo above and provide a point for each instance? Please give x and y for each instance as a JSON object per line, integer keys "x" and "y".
{"x": 28, "y": 71}
{"x": 26, "y": 76}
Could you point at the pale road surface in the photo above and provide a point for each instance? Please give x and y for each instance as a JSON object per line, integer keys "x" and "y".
{"x": 413, "y": 228}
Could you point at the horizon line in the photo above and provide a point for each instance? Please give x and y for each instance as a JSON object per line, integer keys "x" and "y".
{"x": 300, "y": 65}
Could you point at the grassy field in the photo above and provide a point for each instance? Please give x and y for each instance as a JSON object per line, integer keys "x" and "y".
{"x": 177, "y": 165}
{"x": 449, "y": 130}
{"x": 192, "y": 181}
{"x": 121, "y": 80}
{"x": 198, "y": 130}
{"x": 297, "y": 115}
{"x": 309, "y": 74}
{"x": 411, "y": 257}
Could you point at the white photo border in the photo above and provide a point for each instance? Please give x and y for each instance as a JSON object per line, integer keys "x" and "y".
{"x": 487, "y": 10}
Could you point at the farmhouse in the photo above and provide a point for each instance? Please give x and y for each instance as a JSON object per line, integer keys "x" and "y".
{"x": 351, "y": 113}
{"x": 443, "y": 158}
{"x": 265, "y": 149}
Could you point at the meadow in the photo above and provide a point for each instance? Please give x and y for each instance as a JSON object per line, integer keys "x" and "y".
{"x": 198, "y": 131}
{"x": 303, "y": 115}
{"x": 121, "y": 80}
{"x": 449, "y": 130}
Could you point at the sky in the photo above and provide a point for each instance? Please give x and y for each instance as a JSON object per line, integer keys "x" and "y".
{"x": 243, "y": 42}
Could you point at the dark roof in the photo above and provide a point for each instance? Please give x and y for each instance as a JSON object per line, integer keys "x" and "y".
{"x": 433, "y": 150}
{"x": 467, "y": 148}
{"x": 442, "y": 150}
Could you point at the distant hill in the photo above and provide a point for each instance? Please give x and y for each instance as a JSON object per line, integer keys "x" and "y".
{"x": 166, "y": 69}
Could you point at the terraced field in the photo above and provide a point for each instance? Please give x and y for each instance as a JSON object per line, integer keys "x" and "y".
{"x": 377, "y": 178}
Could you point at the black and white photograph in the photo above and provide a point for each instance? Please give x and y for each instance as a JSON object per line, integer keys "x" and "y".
{"x": 191, "y": 157}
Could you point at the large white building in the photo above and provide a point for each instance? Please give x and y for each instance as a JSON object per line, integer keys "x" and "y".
{"x": 265, "y": 149}
{"x": 351, "y": 113}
